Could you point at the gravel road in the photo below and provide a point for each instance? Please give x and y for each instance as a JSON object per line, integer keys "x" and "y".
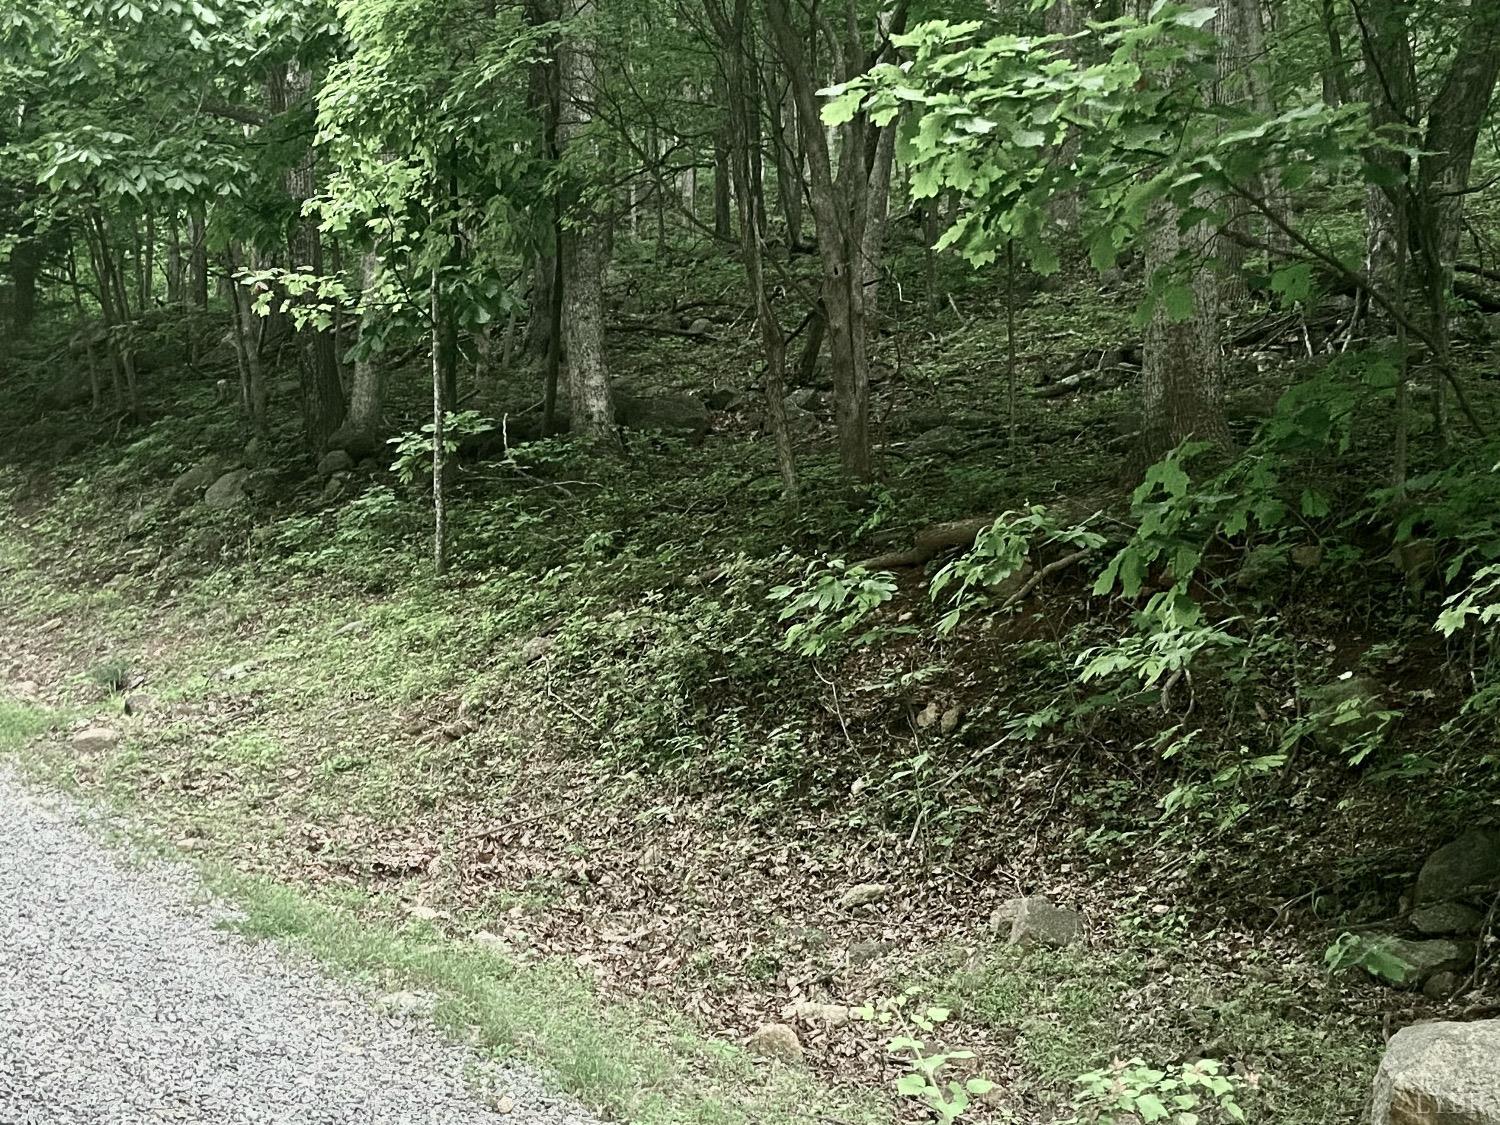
{"x": 122, "y": 1004}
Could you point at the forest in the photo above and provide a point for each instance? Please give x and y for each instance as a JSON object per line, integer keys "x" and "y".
{"x": 862, "y": 560}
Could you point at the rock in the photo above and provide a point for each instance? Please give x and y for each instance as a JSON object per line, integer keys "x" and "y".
{"x": 137, "y": 704}
{"x": 25, "y": 689}
{"x": 676, "y": 415}
{"x": 536, "y": 648}
{"x": 1446, "y": 918}
{"x": 1422, "y": 959}
{"x": 255, "y": 451}
{"x": 951, "y": 718}
{"x": 701, "y": 326}
{"x": 95, "y": 739}
{"x": 1417, "y": 561}
{"x": 803, "y": 398}
{"x": 228, "y": 491}
{"x": 1004, "y": 915}
{"x": 191, "y": 483}
{"x": 865, "y": 894}
{"x": 1442, "y": 986}
{"x": 929, "y": 715}
{"x": 492, "y": 942}
{"x": 139, "y": 521}
{"x": 1471, "y": 861}
{"x": 777, "y": 1041}
{"x": 1439, "y": 1074}
{"x": 824, "y": 1015}
{"x": 335, "y": 461}
{"x": 408, "y": 1005}
{"x": 1035, "y": 921}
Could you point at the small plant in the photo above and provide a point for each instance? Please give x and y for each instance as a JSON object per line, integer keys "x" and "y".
{"x": 925, "y": 1080}
{"x": 999, "y": 554}
{"x": 1193, "y": 1094}
{"x": 832, "y": 602}
{"x": 1355, "y": 951}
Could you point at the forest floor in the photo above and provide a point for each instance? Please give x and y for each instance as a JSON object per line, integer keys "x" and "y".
{"x": 586, "y": 752}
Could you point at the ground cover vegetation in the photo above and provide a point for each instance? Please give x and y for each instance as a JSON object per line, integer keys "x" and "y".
{"x": 700, "y": 509}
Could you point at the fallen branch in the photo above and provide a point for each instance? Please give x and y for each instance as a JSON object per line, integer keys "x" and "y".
{"x": 1050, "y": 569}
{"x": 931, "y": 541}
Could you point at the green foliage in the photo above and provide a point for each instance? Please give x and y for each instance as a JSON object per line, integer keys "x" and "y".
{"x": 1130, "y": 1091}
{"x": 829, "y": 606}
{"x": 414, "y": 450}
{"x": 1357, "y": 951}
{"x": 927, "y": 1080}
{"x": 1000, "y": 552}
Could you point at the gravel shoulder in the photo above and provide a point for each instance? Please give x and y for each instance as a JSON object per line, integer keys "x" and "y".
{"x": 122, "y": 1001}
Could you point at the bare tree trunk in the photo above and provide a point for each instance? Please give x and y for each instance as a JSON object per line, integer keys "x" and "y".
{"x": 723, "y": 194}
{"x": 361, "y": 431}
{"x": 252, "y": 380}
{"x": 175, "y": 287}
{"x": 1389, "y": 87}
{"x": 322, "y": 394}
{"x": 198, "y": 257}
{"x": 743, "y": 141}
{"x": 439, "y": 437}
{"x": 840, "y": 201}
{"x": 96, "y": 394}
{"x": 1182, "y": 387}
{"x": 873, "y": 242}
{"x": 23, "y": 287}
{"x": 1243, "y": 82}
{"x": 1063, "y": 18}
{"x": 584, "y": 246}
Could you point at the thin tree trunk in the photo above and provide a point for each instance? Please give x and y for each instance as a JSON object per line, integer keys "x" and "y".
{"x": 362, "y": 429}
{"x": 253, "y": 388}
{"x": 23, "y": 287}
{"x": 198, "y": 257}
{"x": 439, "y": 419}
{"x": 96, "y": 393}
{"x": 584, "y": 246}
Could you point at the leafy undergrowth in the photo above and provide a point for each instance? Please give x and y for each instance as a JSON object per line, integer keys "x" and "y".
{"x": 595, "y": 744}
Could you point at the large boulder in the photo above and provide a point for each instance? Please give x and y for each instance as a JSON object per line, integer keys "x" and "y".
{"x": 1470, "y": 863}
{"x": 1419, "y": 960}
{"x": 1440, "y": 1074}
{"x": 228, "y": 491}
{"x": 335, "y": 461}
{"x": 1035, "y": 921}
{"x": 191, "y": 483}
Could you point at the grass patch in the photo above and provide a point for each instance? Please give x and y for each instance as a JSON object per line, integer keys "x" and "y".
{"x": 626, "y": 1062}
{"x": 20, "y": 723}
{"x": 1066, "y": 1012}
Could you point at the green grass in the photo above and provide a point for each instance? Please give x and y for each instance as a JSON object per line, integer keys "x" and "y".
{"x": 629, "y": 1061}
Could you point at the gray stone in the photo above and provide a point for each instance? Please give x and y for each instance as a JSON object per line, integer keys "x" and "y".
{"x": 865, "y": 894}
{"x": 1439, "y": 1074}
{"x": 192, "y": 482}
{"x": 701, "y": 327}
{"x": 1470, "y": 862}
{"x": 1446, "y": 918}
{"x": 95, "y": 739}
{"x": 825, "y": 1015}
{"x": 803, "y": 398}
{"x": 228, "y": 491}
{"x": 1035, "y": 921}
{"x": 334, "y": 461}
{"x": 777, "y": 1041}
{"x": 1421, "y": 959}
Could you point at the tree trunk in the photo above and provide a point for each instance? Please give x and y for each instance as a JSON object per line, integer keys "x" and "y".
{"x": 873, "y": 242}
{"x": 1182, "y": 388}
{"x": 175, "y": 287}
{"x": 23, "y": 287}
{"x": 1063, "y": 18}
{"x": 723, "y": 195}
{"x": 840, "y": 203}
{"x": 743, "y": 141}
{"x": 1389, "y": 87}
{"x": 198, "y": 258}
{"x": 322, "y": 394}
{"x": 439, "y": 437}
{"x": 585, "y": 255}
{"x": 362, "y": 429}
